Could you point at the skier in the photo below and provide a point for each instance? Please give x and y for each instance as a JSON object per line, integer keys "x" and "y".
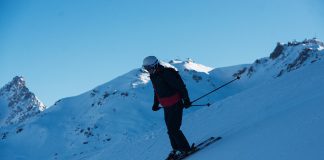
{"x": 171, "y": 92}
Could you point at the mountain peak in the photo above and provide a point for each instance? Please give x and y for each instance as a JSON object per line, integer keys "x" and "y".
{"x": 189, "y": 65}
{"x": 19, "y": 103}
{"x": 16, "y": 84}
{"x": 19, "y": 80}
{"x": 176, "y": 61}
{"x": 286, "y": 58}
{"x": 307, "y": 44}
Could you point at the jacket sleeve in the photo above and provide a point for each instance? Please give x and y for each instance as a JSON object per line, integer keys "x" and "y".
{"x": 174, "y": 80}
{"x": 156, "y": 101}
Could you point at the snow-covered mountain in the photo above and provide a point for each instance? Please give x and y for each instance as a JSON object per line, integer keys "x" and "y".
{"x": 285, "y": 58}
{"x": 273, "y": 112}
{"x": 17, "y": 103}
{"x": 108, "y": 115}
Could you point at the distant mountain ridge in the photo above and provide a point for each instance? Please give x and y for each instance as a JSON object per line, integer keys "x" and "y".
{"x": 18, "y": 103}
{"x": 286, "y": 58}
{"x": 116, "y": 116}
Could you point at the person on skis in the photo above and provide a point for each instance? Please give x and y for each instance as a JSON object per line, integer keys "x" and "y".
{"x": 171, "y": 92}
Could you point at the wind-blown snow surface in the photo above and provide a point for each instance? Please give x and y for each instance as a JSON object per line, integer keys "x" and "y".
{"x": 262, "y": 116}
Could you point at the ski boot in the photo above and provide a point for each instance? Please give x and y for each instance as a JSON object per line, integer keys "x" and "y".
{"x": 172, "y": 155}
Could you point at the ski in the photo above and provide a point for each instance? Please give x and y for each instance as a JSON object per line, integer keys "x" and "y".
{"x": 198, "y": 147}
{"x": 207, "y": 141}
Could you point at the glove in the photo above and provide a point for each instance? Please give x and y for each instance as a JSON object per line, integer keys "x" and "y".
{"x": 186, "y": 102}
{"x": 155, "y": 108}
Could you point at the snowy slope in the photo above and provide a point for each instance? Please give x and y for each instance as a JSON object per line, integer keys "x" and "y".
{"x": 277, "y": 118}
{"x": 273, "y": 112}
{"x": 17, "y": 103}
{"x": 111, "y": 114}
{"x": 284, "y": 121}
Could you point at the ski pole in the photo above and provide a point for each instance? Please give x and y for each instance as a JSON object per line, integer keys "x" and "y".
{"x": 208, "y": 104}
{"x": 238, "y": 77}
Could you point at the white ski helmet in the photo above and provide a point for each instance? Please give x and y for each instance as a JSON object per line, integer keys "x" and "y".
{"x": 150, "y": 61}
{"x": 150, "y": 64}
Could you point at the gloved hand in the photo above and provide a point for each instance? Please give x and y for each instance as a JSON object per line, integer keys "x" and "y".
{"x": 186, "y": 102}
{"x": 156, "y": 107}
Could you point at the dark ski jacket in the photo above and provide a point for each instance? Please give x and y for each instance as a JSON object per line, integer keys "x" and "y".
{"x": 169, "y": 87}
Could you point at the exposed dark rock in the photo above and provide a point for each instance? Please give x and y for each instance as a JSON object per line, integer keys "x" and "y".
{"x": 299, "y": 60}
{"x": 196, "y": 78}
{"x": 250, "y": 71}
{"x": 277, "y": 51}
{"x": 239, "y": 72}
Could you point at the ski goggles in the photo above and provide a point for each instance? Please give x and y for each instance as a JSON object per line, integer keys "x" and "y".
{"x": 150, "y": 67}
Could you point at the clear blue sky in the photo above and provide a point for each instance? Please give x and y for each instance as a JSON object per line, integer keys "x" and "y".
{"x": 66, "y": 47}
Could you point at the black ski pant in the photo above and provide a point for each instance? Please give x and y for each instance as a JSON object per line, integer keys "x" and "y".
{"x": 173, "y": 120}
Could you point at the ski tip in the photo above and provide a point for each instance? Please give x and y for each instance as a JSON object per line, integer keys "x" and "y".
{"x": 216, "y": 138}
